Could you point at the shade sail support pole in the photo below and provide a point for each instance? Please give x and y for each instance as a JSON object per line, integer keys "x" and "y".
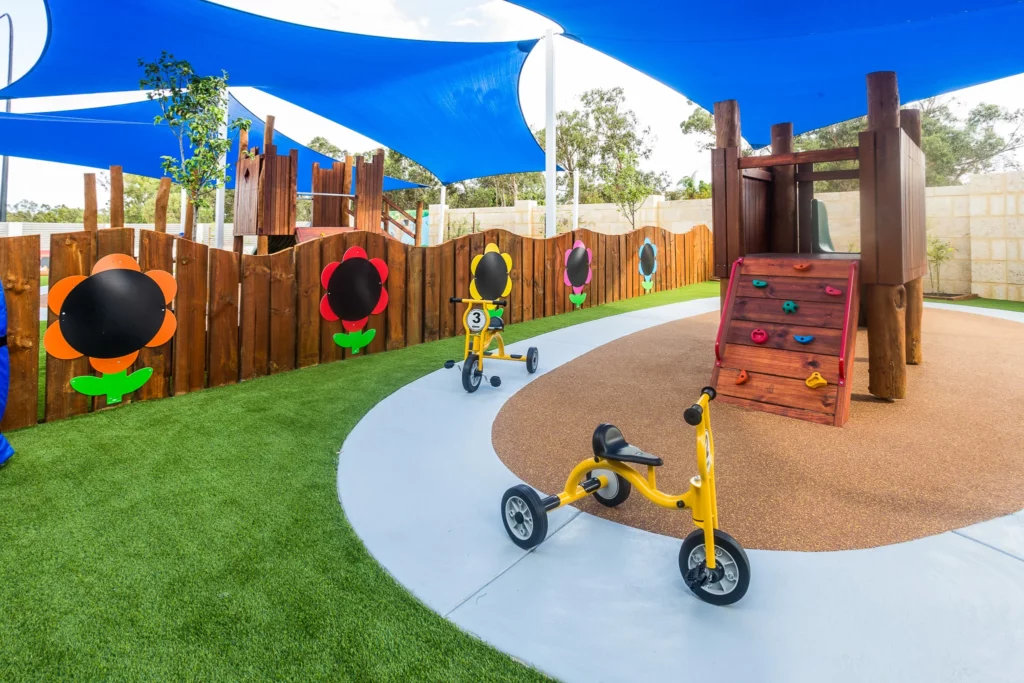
{"x": 576, "y": 199}
{"x": 550, "y": 199}
{"x": 7, "y": 108}
{"x": 218, "y": 233}
{"x": 441, "y": 214}
{"x": 184, "y": 208}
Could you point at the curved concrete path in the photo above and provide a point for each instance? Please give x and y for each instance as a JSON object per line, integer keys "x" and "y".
{"x": 599, "y": 601}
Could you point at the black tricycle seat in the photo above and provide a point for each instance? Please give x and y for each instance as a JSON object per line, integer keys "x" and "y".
{"x": 610, "y": 444}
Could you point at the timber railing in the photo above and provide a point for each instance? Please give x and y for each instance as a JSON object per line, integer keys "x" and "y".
{"x": 242, "y": 316}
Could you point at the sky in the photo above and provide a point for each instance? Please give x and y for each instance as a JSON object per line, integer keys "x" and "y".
{"x": 578, "y": 68}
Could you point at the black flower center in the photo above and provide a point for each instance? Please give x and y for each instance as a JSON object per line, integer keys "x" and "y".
{"x": 647, "y": 259}
{"x": 112, "y": 313}
{"x": 577, "y": 266}
{"x": 354, "y": 289}
{"x": 491, "y": 276}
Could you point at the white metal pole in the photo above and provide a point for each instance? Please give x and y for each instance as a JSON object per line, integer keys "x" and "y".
{"x": 441, "y": 213}
{"x": 550, "y": 197}
{"x": 218, "y": 212}
{"x": 184, "y": 205}
{"x": 5, "y": 164}
{"x": 576, "y": 199}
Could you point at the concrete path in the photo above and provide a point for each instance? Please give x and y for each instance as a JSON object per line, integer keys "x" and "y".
{"x": 599, "y": 601}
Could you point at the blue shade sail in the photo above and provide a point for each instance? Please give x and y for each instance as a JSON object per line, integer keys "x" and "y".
{"x": 125, "y": 135}
{"x": 452, "y": 107}
{"x": 802, "y": 61}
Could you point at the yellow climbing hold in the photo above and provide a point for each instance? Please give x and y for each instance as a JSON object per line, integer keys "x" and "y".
{"x": 815, "y": 381}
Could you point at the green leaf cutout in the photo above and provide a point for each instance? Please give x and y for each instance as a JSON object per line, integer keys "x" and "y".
{"x": 578, "y": 299}
{"x": 114, "y": 386}
{"x": 496, "y": 312}
{"x": 647, "y": 284}
{"x": 355, "y": 340}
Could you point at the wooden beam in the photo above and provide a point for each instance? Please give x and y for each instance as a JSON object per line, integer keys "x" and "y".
{"x": 782, "y": 227}
{"x": 116, "y": 197}
{"x": 727, "y": 124}
{"x": 757, "y": 174}
{"x": 395, "y": 207}
{"x": 398, "y": 225}
{"x": 883, "y": 100}
{"x": 163, "y": 194}
{"x": 820, "y": 176}
{"x": 807, "y": 235}
{"x": 243, "y": 143}
{"x": 814, "y": 156}
{"x": 189, "y": 223}
{"x": 910, "y": 122}
{"x": 89, "y": 217}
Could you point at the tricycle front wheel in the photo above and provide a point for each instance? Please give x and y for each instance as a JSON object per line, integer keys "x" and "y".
{"x": 525, "y": 519}
{"x": 728, "y": 581}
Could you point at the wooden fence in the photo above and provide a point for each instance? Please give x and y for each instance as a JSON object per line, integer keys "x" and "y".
{"x": 242, "y": 316}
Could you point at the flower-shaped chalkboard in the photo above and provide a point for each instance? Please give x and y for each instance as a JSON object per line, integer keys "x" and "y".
{"x": 648, "y": 263}
{"x": 355, "y": 291}
{"x": 577, "y": 271}
{"x": 491, "y": 279}
{"x": 109, "y": 316}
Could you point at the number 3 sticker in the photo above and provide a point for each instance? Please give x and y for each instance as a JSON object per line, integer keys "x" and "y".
{"x": 476, "y": 320}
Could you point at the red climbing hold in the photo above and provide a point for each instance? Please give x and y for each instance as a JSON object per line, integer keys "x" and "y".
{"x": 758, "y": 336}
{"x": 742, "y": 377}
{"x": 802, "y": 266}
{"x": 832, "y": 291}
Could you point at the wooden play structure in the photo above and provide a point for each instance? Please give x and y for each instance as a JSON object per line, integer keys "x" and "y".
{"x": 791, "y": 311}
{"x": 266, "y": 195}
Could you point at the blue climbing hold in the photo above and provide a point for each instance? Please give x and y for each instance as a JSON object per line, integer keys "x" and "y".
{"x": 804, "y": 338}
{"x": 759, "y": 283}
{"x": 790, "y": 307}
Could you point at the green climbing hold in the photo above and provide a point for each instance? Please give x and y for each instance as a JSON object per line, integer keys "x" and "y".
{"x": 759, "y": 283}
{"x": 790, "y": 307}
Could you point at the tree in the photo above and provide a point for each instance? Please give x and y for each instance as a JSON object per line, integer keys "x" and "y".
{"x": 939, "y": 251}
{"x": 193, "y": 107}
{"x": 327, "y": 148}
{"x": 25, "y": 211}
{"x": 629, "y": 187}
{"x": 690, "y": 188}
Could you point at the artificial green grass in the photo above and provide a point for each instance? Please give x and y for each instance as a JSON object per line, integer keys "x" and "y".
{"x": 201, "y": 538}
{"x": 985, "y": 303}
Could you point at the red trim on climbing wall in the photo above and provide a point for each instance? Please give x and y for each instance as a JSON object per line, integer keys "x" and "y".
{"x": 725, "y": 307}
{"x": 850, "y": 293}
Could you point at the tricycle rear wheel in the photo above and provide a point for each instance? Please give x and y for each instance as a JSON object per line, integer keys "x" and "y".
{"x": 615, "y": 493}
{"x": 732, "y": 568}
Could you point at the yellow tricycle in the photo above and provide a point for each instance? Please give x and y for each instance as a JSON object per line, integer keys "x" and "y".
{"x": 481, "y": 330}
{"x": 713, "y": 564}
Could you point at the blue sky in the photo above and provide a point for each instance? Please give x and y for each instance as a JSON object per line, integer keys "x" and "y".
{"x": 578, "y": 69}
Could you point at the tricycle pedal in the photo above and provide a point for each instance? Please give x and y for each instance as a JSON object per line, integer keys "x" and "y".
{"x": 449, "y": 364}
{"x": 516, "y": 356}
{"x": 590, "y": 485}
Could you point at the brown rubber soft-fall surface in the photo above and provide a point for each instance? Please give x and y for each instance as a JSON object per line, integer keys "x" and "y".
{"x": 949, "y": 455}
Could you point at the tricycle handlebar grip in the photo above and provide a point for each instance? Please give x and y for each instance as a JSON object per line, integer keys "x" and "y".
{"x": 710, "y": 391}
{"x": 500, "y": 302}
{"x": 455, "y": 300}
{"x": 693, "y": 415}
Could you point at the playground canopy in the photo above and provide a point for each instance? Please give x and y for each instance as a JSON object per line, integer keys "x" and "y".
{"x": 125, "y": 135}
{"x": 452, "y": 107}
{"x": 803, "y": 61}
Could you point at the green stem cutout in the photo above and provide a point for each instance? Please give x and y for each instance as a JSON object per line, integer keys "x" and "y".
{"x": 354, "y": 340}
{"x": 578, "y": 299}
{"x": 114, "y": 386}
{"x": 647, "y": 284}
{"x": 496, "y": 312}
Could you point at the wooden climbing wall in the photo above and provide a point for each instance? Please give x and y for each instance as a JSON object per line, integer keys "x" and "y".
{"x": 786, "y": 318}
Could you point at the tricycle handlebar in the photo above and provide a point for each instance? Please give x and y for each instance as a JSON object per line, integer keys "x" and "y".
{"x": 694, "y": 414}
{"x": 496, "y": 302}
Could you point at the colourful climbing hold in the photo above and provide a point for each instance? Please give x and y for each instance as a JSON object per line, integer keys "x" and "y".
{"x": 758, "y": 336}
{"x": 804, "y": 338}
{"x": 832, "y": 291}
{"x": 742, "y": 377}
{"x": 790, "y": 307}
{"x": 759, "y": 283}
{"x": 815, "y": 381}
{"x": 802, "y": 266}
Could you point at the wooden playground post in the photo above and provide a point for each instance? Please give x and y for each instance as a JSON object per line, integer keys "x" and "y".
{"x": 189, "y": 225}
{"x": 886, "y": 303}
{"x": 163, "y": 194}
{"x": 419, "y": 223}
{"x": 263, "y": 241}
{"x": 783, "y": 196}
{"x": 727, "y": 232}
{"x": 243, "y": 149}
{"x": 89, "y": 217}
{"x": 910, "y": 122}
{"x": 116, "y": 197}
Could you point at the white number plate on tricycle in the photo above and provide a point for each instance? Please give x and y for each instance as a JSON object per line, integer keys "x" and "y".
{"x": 476, "y": 320}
